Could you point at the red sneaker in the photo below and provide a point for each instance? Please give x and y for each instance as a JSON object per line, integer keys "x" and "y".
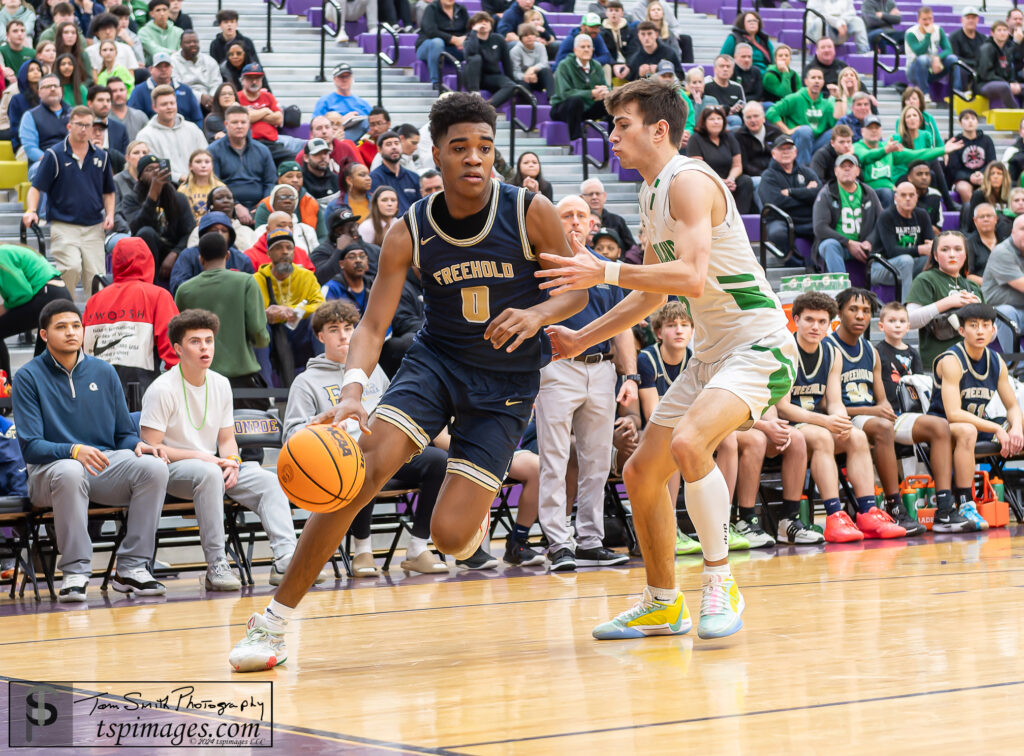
{"x": 839, "y": 528}
{"x": 877, "y": 524}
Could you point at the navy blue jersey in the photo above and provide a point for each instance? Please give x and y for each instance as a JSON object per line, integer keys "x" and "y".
{"x": 812, "y": 377}
{"x": 655, "y": 372}
{"x": 468, "y": 282}
{"x": 978, "y": 384}
{"x": 857, "y": 380}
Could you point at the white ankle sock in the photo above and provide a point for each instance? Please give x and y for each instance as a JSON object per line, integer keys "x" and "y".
{"x": 416, "y": 547}
{"x": 362, "y": 545}
{"x": 277, "y": 615}
{"x": 664, "y": 595}
{"x": 717, "y": 569}
{"x": 707, "y": 503}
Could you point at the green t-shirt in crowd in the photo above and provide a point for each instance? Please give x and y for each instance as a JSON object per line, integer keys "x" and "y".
{"x": 849, "y": 212}
{"x": 14, "y": 59}
{"x": 929, "y": 287}
{"x": 23, "y": 273}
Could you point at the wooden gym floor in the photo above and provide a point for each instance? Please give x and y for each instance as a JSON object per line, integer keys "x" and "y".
{"x": 894, "y": 647}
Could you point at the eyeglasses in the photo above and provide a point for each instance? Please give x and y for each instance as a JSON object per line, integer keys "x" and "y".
{"x": 80, "y": 125}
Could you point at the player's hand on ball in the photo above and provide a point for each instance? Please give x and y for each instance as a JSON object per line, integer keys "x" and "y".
{"x": 564, "y": 345}
{"x": 346, "y": 409}
{"x": 521, "y": 324}
{"x": 581, "y": 271}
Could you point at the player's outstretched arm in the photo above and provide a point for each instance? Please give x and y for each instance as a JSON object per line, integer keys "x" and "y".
{"x": 544, "y": 229}
{"x": 692, "y": 198}
{"x": 368, "y": 338}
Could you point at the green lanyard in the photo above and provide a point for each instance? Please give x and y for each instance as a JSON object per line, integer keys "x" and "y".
{"x": 206, "y": 402}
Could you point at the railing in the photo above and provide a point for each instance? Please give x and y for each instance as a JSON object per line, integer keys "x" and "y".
{"x": 383, "y": 59}
{"x": 739, "y": 6}
{"x": 23, "y": 236}
{"x": 877, "y": 64}
{"x": 334, "y": 16}
{"x": 877, "y": 258}
{"x": 766, "y": 246}
{"x": 445, "y": 55}
{"x": 589, "y": 160}
{"x": 514, "y": 123}
{"x": 806, "y": 39}
{"x": 966, "y": 95}
{"x": 271, "y": 4}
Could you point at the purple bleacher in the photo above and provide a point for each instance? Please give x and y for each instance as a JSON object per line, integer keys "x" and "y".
{"x": 624, "y": 174}
{"x": 301, "y": 131}
{"x": 555, "y": 132}
{"x": 752, "y": 224}
{"x": 951, "y": 221}
{"x": 299, "y": 7}
{"x": 594, "y": 147}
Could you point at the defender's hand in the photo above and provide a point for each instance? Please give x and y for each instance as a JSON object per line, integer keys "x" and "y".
{"x": 564, "y": 344}
{"x": 581, "y": 271}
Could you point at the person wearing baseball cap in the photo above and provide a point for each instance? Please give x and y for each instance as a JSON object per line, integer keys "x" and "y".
{"x": 845, "y": 214}
{"x": 160, "y": 35}
{"x": 255, "y": 96}
{"x": 590, "y": 24}
{"x": 342, "y": 225}
{"x": 607, "y": 243}
{"x": 317, "y": 177}
{"x": 965, "y": 41}
{"x": 791, "y": 187}
{"x": 352, "y": 108}
{"x": 161, "y": 73}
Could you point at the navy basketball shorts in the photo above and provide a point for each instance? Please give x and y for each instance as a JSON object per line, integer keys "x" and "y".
{"x": 486, "y": 410}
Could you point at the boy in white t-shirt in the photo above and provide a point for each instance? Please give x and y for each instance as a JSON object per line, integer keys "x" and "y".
{"x": 188, "y": 413}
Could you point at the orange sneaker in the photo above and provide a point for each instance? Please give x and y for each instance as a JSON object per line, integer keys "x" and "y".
{"x": 839, "y": 528}
{"x": 878, "y": 524}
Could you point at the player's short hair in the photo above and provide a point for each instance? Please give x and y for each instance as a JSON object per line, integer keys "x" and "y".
{"x": 227, "y": 15}
{"x": 407, "y": 131}
{"x": 854, "y": 292}
{"x": 977, "y": 311}
{"x": 656, "y": 100}
{"x": 670, "y": 312}
{"x": 334, "y": 311}
{"x": 162, "y": 91}
{"x": 815, "y": 300}
{"x": 54, "y": 308}
{"x": 647, "y": 26}
{"x": 842, "y": 130}
{"x": 191, "y": 320}
{"x": 212, "y": 247}
{"x": 459, "y": 107}
{"x": 891, "y": 307}
{"x": 479, "y": 16}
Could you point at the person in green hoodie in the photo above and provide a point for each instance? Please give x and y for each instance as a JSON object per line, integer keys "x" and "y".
{"x": 27, "y": 283}
{"x": 808, "y": 116}
{"x": 882, "y": 162}
{"x": 580, "y": 87}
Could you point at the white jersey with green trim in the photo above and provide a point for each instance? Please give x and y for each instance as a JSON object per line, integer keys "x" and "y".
{"x": 738, "y": 307}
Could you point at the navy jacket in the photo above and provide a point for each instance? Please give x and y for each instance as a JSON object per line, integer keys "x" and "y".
{"x": 188, "y": 105}
{"x": 406, "y": 184}
{"x": 250, "y": 175}
{"x": 55, "y": 409}
{"x": 117, "y": 135}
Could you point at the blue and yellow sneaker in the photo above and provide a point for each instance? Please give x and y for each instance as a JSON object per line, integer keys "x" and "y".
{"x": 648, "y": 617}
{"x": 736, "y": 541}
{"x": 685, "y": 544}
{"x": 720, "y": 606}
{"x": 968, "y": 510}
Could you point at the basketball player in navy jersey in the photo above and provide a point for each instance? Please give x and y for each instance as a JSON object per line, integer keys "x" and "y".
{"x": 476, "y": 359}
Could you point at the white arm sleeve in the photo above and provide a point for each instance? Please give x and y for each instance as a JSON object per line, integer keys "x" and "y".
{"x": 921, "y": 315}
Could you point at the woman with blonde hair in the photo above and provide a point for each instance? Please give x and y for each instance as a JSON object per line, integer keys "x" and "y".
{"x": 199, "y": 182}
{"x": 779, "y": 78}
{"x": 656, "y": 15}
{"x": 383, "y": 215}
{"x": 110, "y": 68}
{"x": 995, "y": 190}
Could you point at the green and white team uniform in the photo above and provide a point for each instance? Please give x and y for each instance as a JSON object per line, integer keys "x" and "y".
{"x": 741, "y": 343}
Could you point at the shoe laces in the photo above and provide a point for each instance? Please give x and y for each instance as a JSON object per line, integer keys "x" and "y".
{"x": 714, "y": 597}
{"x": 884, "y": 516}
{"x": 220, "y": 567}
{"x": 645, "y": 604}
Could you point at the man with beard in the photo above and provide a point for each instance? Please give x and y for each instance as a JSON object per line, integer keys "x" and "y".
{"x": 196, "y": 70}
{"x": 343, "y": 151}
{"x": 158, "y": 214}
{"x": 391, "y": 173}
{"x": 351, "y": 284}
{"x": 317, "y": 177}
{"x": 341, "y": 233}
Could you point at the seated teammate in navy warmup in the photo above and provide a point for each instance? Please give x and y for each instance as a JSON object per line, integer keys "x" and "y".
{"x": 476, "y": 359}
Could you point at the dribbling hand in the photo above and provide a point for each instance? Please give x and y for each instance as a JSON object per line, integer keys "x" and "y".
{"x": 346, "y": 409}
{"x": 522, "y": 324}
{"x": 581, "y": 271}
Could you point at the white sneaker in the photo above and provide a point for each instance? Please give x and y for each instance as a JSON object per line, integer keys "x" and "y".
{"x": 72, "y": 588}
{"x": 280, "y": 566}
{"x": 260, "y": 649}
{"x": 342, "y": 37}
{"x": 794, "y": 531}
{"x": 478, "y": 538}
{"x": 138, "y": 581}
{"x": 721, "y": 606}
{"x": 219, "y": 576}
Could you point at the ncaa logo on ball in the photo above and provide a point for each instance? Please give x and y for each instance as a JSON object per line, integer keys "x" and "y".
{"x": 286, "y": 474}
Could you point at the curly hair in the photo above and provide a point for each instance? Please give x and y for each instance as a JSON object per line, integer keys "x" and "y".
{"x": 191, "y": 320}
{"x": 459, "y": 107}
{"x": 815, "y": 300}
{"x": 670, "y": 312}
{"x": 848, "y": 295}
{"x": 334, "y": 311}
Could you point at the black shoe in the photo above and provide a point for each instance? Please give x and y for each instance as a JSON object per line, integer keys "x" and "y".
{"x": 138, "y": 581}
{"x": 950, "y": 521}
{"x": 905, "y": 521}
{"x": 481, "y": 560}
{"x": 519, "y": 554}
{"x": 599, "y": 557}
{"x": 563, "y": 560}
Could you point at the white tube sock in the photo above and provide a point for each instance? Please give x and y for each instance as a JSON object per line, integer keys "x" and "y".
{"x": 416, "y": 547}
{"x": 362, "y": 545}
{"x": 707, "y": 503}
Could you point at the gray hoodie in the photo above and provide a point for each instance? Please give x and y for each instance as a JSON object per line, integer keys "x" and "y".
{"x": 318, "y": 388}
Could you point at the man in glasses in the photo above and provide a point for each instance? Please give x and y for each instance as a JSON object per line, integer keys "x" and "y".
{"x": 45, "y": 124}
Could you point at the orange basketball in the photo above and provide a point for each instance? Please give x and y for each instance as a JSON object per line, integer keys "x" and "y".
{"x": 321, "y": 468}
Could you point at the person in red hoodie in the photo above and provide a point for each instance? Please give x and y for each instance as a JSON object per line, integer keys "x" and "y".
{"x": 257, "y": 253}
{"x": 126, "y": 322}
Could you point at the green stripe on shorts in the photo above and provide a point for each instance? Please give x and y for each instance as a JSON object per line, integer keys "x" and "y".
{"x": 737, "y": 278}
{"x": 781, "y": 380}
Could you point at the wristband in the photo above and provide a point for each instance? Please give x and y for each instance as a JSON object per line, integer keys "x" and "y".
{"x": 74, "y": 451}
{"x": 611, "y": 273}
{"x": 355, "y": 376}
{"x": 235, "y": 458}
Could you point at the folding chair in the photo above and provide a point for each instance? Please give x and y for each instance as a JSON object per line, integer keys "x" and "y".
{"x": 15, "y": 516}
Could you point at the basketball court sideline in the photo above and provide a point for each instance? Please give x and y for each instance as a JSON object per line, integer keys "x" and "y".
{"x": 845, "y": 649}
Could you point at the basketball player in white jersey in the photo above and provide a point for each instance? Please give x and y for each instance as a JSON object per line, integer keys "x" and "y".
{"x": 743, "y": 361}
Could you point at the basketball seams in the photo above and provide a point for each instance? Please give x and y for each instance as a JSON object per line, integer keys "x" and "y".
{"x": 333, "y": 495}
{"x": 330, "y": 455}
{"x": 345, "y": 456}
